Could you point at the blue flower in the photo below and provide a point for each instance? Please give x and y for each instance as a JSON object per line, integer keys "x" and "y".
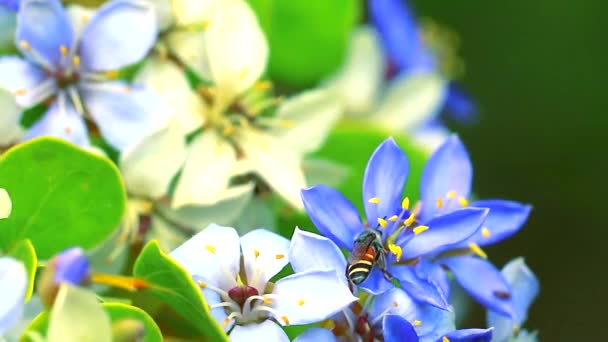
{"x": 73, "y": 63}
{"x": 71, "y": 266}
{"x": 401, "y": 39}
{"x": 525, "y": 288}
{"x": 13, "y": 285}
{"x": 394, "y": 314}
{"x": 402, "y": 234}
{"x": 248, "y": 306}
{"x": 445, "y": 188}
{"x": 13, "y": 5}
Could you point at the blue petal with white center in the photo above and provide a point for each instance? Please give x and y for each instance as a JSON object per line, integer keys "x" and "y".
{"x": 396, "y": 329}
{"x": 43, "y": 28}
{"x": 334, "y": 216}
{"x": 504, "y": 219}
{"x": 448, "y": 170}
{"x": 316, "y": 335}
{"x": 469, "y": 335}
{"x": 384, "y": 180}
{"x": 71, "y": 266}
{"x": 265, "y": 331}
{"x": 13, "y": 285}
{"x": 309, "y": 251}
{"x": 422, "y": 290}
{"x": 444, "y": 231}
{"x": 106, "y": 44}
{"x": 25, "y": 80}
{"x": 482, "y": 281}
{"x": 63, "y": 121}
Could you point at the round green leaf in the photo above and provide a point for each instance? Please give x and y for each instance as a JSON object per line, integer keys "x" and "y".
{"x": 62, "y": 196}
{"x": 24, "y": 252}
{"x": 119, "y": 312}
{"x": 170, "y": 283}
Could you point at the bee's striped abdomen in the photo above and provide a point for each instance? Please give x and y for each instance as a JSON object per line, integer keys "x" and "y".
{"x": 359, "y": 270}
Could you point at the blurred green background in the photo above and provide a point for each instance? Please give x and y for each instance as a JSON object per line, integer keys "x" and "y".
{"x": 537, "y": 70}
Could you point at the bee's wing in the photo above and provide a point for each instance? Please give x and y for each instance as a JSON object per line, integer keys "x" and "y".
{"x": 358, "y": 252}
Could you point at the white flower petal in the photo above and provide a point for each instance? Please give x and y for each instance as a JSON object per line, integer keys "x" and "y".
{"x": 6, "y": 206}
{"x": 312, "y": 252}
{"x": 207, "y": 171}
{"x": 264, "y": 254}
{"x": 191, "y": 49}
{"x": 10, "y": 127}
{"x": 79, "y": 17}
{"x": 267, "y": 331}
{"x": 410, "y": 100}
{"x": 213, "y": 254}
{"x": 164, "y": 13}
{"x": 311, "y": 296}
{"x": 171, "y": 85}
{"x": 192, "y": 12}
{"x": 311, "y": 115}
{"x": 149, "y": 166}
{"x": 13, "y": 284}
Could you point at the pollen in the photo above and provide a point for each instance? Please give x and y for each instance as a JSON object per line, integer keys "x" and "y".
{"x": 395, "y": 304}
{"x": 285, "y": 320}
{"x": 477, "y": 250}
{"x": 485, "y": 232}
{"x": 85, "y": 18}
{"x": 267, "y": 301}
{"x": 417, "y": 322}
{"x": 439, "y": 202}
{"x": 256, "y": 253}
{"x": 374, "y": 200}
{"x": 24, "y": 45}
{"x": 405, "y": 204}
{"x": 463, "y": 201}
{"x": 382, "y": 222}
{"x": 328, "y": 324}
{"x": 201, "y": 284}
{"x": 210, "y": 248}
{"x": 20, "y": 92}
{"x": 445, "y": 339}
{"x": 63, "y": 50}
{"x": 76, "y": 61}
{"x": 395, "y": 250}
{"x": 286, "y": 124}
{"x": 67, "y": 130}
{"x": 228, "y": 130}
{"x": 410, "y": 220}
{"x": 420, "y": 229}
{"x": 451, "y": 194}
{"x": 279, "y": 256}
{"x": 393, "y": 218}
{"x": 243, "y": 74}
{"x": 262, "y": 85}
{"x": 301, "y": 302}
{"x": 226, "y": 321}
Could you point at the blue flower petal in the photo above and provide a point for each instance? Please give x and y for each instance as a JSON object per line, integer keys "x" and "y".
{"x": 434, "y": 274}
{"x": 399, "y": 35}
{"x": 317, "y": 335}
{"x": 459, "y": 104}
{"x": 13, "y": 285}
{"x": 445, "y": 231}
{"x": 397, "y": 329}
{"x": 23, "y": 79}
{"x": 124, "y": 115}
{"x": 309, "y": 252}
{"x": 525, "y": 288}
{"x": 333, "y": 215}
{"x": 107, "y": 45}
{"x": 376, "y": 283}
{"x": 265, "y": 331}
{"x": 71, "y": 266}
{"x": 384, "y": 179}
{"x": 63, "y": 121}
{"x": 42, "y": 28}
{"x": 13, "y": 5}
{"x": 482, "y": 281}
{"x": 424, "y": 290}
{"x": 448, "y": 169}
{"x": 504, "y": 219}
{"x": 469, "y": 335}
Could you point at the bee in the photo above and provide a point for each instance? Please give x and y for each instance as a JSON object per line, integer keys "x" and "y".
{"x": 367, "y": 252}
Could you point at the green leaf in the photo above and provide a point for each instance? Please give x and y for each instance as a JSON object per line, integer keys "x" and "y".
{"x": 24, "y": 251}
{"x": 170, "y": 283}
{"x": 121, "y": 311}
{"x": 62, "y": 196}
{"x": 308, "y": 39}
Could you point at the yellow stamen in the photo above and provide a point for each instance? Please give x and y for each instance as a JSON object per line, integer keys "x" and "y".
{"x": 485, "y": 232}
{"x": 451, "y": 194}
{"x": 285, "y": 319}
{"x": 374, "y": 200}
{"x": 205, "y": 24}
{"x": 128, "y": 89}
{"x": 111, "y": 74}
{"x": 262, "y": 85}
{"x": 63, "y": 50}
{"x": 20, "y": 92}
{"x": 405, "y": 204}
{"x": 463, "y": 201}
{"x": 226, "y": 321}
{"x": 126, "y": 283}
{"x": 210, "y": 248}
{"x": 85, "y": 19}
{"x": 202, "y": 284}
{"x": 76, "y": 61}
{"x": 410, "y": 220}
{"x": 445, "y": 339}
{"x": 267, "y": 300}
{"x": 243, "y": 74}
{"x": 279, "y": 256}
{"x": 439, "y": 202}
{"x": 300, "y": 302}
{"x": 24, "y": 45}
{"x": 393, "y": 218}
{"x": 228, "y": 129}
{"x": 395, "y": 304}
{"x": 67, "y": 129}
{"x": 286, "y": 123}
{"x": 328, "y": 324}
{"x": 420, "y": 229}
{"x": 382, "y": 222}
{"x": 395, "y": 250}
{"x": 417, "y": 322}
{"x": 256, "y": 252}
{"x": 477, "y": 250}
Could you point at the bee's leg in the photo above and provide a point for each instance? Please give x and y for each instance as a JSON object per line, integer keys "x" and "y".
{"x": 381, "y": 261}
{"x": 387, "y": 274}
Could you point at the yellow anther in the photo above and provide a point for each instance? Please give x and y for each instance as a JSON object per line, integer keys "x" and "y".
{"x": 67, "y": 130}
{"x": 477, "y": 250}
{"x": 111, "y": 73}
{"x": 243, "y": 74}
{"x": 226, "y": 321}
{"x": 205, "y": 24}
{"x": 439, "y": 202}
{"x": 382, "y": 222}
{"x": 228, "y": 130}
{"x": 128, "y": 89}
{"x": 24, "y": 45}
{"x": 256, "y": 252}
{"x": 285, "y": 320}
{"x": 485, "y": 232}
{"x": 463, "y": 201}
{"x": 262, "y": 85}
{"x": 76, "y": 61}
{"x": 393, "y": 218}
{"x": 374, "y": 200}
{"x": 451, "y": 194}
{"x": 286, "y": 123}
{"x": 395, "y": 250}
{"x": 202, "y": 284}
{"x": 417, "y": 322}
{"x": 267, "y": 300}
{"x": 445, "y": 339}
{"x": 328, "y": 324}
{"x": 420, "y": 229}
{"x": 210, "y": 248}
{"x": 405, "y": 204}
{"x": 63, "y": 50}
{"x": 410, "y": 220}
{"x": 301, "y": 302}
{"x": 85, "y": 18}
{"x": 20, "y": 92}
{"x": 279, "y": 256}
{"x": 395, "y": 304}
